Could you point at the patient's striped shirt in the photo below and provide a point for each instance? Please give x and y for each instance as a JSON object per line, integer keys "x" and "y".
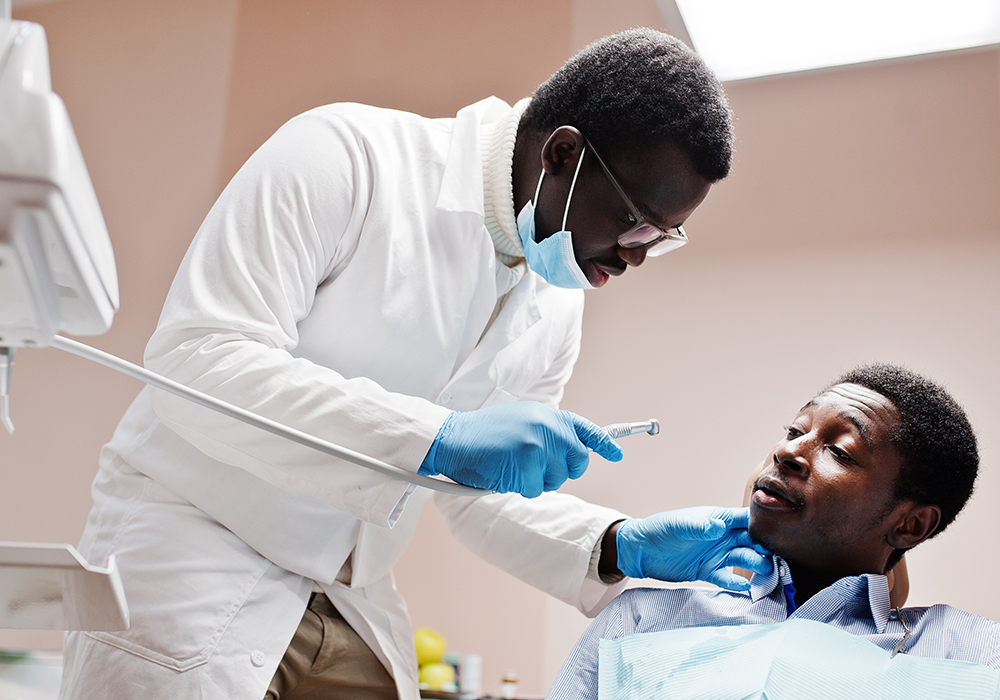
{"x": 856, "y": 604}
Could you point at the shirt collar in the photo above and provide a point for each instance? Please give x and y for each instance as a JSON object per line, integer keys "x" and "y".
{"x": 873, "y": 587}
{"x": 763, "y": 585}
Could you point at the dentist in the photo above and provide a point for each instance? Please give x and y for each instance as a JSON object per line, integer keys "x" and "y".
{"x": 409, "y": 288}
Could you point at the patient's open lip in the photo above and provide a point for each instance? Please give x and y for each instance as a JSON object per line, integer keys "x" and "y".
{"x": 774, "y": 492}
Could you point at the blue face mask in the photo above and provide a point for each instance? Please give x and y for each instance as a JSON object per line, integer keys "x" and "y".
{"x": 553, "y": 258}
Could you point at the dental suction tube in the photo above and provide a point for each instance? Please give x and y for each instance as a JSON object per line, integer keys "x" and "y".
{"x": 227, "y": 409}
{"x": 615, "y": 430}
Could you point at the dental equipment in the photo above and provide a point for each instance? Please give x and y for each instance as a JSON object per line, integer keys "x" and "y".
{"x": 155, "y": 380}
{"x": 57, "y": 272}
{"x": 110, "y": 361}
{"x": 620, "y": 430}
{"x": 52, "y": 587}
{"x": 57, "y": 268}
{"x": 6, "y": 366}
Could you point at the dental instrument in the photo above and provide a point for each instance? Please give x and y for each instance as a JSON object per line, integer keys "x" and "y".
{"x": 620, "y": 430}
{"x": 116, "y": 363}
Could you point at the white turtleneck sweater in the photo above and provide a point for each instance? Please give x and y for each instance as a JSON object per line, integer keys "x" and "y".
{"x": 498, "y": 197}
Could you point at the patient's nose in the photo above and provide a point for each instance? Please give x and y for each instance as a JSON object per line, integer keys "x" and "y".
{"x": 790, "y": 456}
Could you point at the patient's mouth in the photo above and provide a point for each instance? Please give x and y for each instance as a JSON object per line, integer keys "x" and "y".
{"x": 770, "y": 494}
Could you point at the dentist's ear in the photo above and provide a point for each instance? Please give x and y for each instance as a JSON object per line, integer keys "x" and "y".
{"x": 562, "y": 149}
{"x": 914, "y": 525}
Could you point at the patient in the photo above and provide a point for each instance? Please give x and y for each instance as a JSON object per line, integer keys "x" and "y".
{"x": 874, "y": 465}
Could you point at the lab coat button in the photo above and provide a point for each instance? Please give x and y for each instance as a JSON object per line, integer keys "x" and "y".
{"x": 445, "y": 398}
{"x": 257, "y": 658}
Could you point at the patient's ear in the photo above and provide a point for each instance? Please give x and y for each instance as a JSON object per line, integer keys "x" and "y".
{"x": 914, "y": 525}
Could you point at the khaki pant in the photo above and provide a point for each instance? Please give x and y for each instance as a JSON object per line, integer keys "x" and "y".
{"x": 327, "y": 659}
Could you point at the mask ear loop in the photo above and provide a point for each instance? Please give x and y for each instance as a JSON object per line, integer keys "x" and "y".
{"x": 572, "y": 186}
{"x": 538, "y": 188}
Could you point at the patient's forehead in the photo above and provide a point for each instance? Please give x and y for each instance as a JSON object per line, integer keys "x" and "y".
{"x": 875, "y": 415}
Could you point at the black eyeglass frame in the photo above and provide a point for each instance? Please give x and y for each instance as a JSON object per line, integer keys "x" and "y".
{"x": 642, "y": 233}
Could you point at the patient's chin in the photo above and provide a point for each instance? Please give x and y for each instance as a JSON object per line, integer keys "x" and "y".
{"x": 765, "y": 539}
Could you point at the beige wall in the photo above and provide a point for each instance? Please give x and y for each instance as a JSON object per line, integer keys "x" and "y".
{"x": 861, "y": 222}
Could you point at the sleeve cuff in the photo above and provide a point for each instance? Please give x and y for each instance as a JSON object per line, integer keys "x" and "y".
{"x": 593, "y": 570}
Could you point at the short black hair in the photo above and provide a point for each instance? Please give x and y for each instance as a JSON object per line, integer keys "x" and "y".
{"x": 934, "y": 439}
{"x": 639, "y": 87}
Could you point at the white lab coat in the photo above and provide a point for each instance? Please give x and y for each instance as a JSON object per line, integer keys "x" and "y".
{"x": 341, "y": 284}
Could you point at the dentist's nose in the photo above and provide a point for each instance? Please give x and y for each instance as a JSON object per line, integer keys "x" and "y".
{"x": 633, "y": 257}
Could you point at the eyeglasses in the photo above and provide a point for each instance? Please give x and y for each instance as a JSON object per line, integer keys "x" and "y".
{"x": 642, "y": 233}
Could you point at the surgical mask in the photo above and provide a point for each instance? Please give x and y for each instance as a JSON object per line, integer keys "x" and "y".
{"x": 553, "y": 258}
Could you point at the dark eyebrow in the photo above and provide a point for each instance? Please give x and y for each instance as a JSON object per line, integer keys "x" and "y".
{"x": 863, "y": 429}
{"x": 652, "y": 217}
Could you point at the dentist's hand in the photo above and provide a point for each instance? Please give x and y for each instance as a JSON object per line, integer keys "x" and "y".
{"x": 523, "y": 447}
{"x": 691, "y": 544}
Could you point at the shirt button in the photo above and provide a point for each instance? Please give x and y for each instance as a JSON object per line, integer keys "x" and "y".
{"x": 257, "y": 658}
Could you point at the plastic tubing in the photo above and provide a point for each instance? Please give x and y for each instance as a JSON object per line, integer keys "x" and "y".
{"x": 144, "y": 375}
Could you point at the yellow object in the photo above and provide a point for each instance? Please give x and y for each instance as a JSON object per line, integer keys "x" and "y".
{"x": 430, "y": 646}
{"x": 436, "y": 675}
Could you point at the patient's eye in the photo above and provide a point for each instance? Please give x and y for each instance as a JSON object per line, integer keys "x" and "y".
{"x": 791, "y": 432}
{"x": 840, "y": 455}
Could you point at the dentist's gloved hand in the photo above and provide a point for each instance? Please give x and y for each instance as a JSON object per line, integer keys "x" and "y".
{"x": 523, "y": 447}
{"x": 691, "y": 544}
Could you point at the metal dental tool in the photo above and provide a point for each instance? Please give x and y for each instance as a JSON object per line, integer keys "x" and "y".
{"x": 6, "y": 363}
{"x": 620, "y": 430}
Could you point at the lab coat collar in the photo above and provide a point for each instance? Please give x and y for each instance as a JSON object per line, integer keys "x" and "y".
{"x": 462, "y": 183}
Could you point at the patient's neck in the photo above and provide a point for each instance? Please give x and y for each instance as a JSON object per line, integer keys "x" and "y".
{"x": 809, "y": 581}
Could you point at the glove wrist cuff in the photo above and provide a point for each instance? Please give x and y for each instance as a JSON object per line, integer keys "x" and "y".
{"x": 629, "y": 554}
{"x": 427, "y": 467}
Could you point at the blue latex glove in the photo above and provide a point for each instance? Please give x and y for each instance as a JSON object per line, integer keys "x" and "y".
{"x": 691, "y": 544}
{"x": 523, "y": 447}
